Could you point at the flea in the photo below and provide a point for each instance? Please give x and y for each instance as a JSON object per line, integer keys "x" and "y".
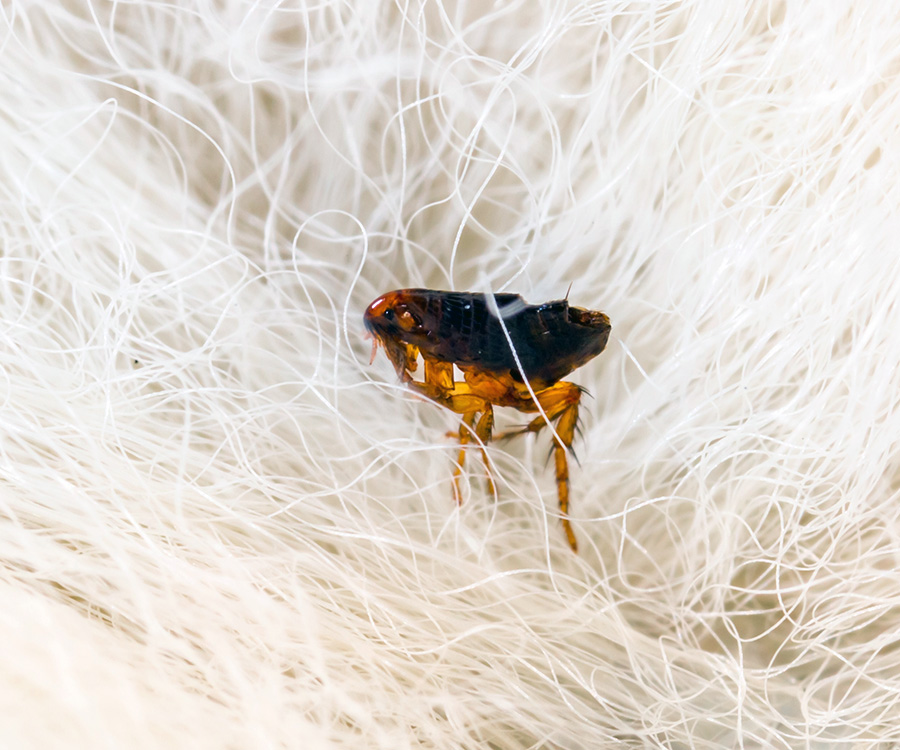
{"x": 465, "y": 329}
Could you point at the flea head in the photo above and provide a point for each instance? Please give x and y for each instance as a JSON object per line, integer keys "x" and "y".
{"x": 395, "y": 321}
{"x": 396, "y": 316}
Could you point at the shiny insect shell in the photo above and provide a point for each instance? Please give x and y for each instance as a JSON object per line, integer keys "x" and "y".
{"x": 464, "y": 329}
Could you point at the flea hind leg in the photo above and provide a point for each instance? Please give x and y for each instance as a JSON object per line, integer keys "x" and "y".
{"x": 553, "y": 405}
{"x": 560, "y": 402}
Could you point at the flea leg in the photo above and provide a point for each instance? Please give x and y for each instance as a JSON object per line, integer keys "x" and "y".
{"x": 440, "y": 387}
{"x": 438, "y": 382}
{"x": 469, "y": 405}
{"x": 561, "y": 401}
{"x": 554, "y": 405}
{"x": 439, "y": 375}
{"x": 465, "y": 433}
{"x": 483, "y": 430}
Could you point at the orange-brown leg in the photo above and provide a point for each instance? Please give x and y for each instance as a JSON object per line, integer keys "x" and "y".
{"x": 465, "y": 433}
{"x": 560, "y": 401}
{"x": 565, "y": 428}
{"x": 440, "y": 387}
{"x": 438, "y": 382}
{"x": 439, "y": 374}
{"x": 484, "y": 430}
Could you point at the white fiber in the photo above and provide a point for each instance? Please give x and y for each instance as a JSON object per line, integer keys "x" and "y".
{"x": 220, "y": 527}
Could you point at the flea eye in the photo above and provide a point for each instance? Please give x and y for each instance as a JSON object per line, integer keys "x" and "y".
{"x": 407, "y": 320}
{"x": 388, "y": 314}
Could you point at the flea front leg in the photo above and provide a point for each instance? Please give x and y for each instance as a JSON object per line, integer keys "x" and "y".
{"x": 439, "y": 386}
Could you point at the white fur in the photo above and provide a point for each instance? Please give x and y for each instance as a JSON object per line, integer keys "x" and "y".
{"x": 222, "y": 528}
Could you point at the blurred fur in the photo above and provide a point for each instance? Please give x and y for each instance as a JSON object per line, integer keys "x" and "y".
{"x": 222, "y": 528}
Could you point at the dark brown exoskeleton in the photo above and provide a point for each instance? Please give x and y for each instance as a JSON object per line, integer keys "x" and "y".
{"x": 465, "y": 329}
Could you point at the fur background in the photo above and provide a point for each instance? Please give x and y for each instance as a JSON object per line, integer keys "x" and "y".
{"x": 221, "y": 528}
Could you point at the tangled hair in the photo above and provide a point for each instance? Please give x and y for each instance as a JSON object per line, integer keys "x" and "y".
{"x": 222, "y": 528}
